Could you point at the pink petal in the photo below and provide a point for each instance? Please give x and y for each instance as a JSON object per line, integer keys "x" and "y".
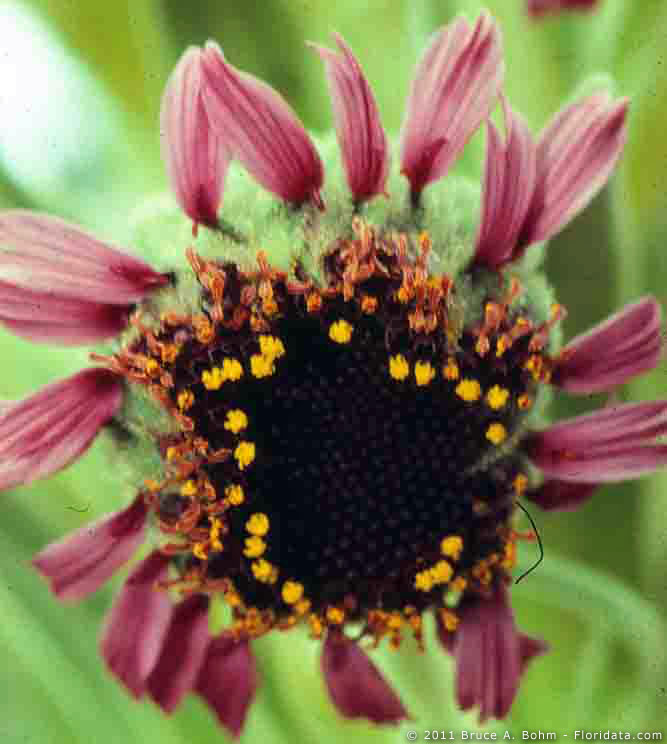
{"x": 44, "y": 254}
{"x": 137, "y": 625}
{"x": 540, "y": 7}
{"x": 362, "y": 139}
{"x": 509, "y": 180}
{"x": 228, "y": 681}
{"x": 576, "y": 155}
{"x": 455, "y": 88}
{"x": 261, "y": 130}
{"x": 43, "y": 317}
{"x": 609, "y": 445}
{"x": 81, "y": 562}
{"x": 491, "y": 655}
{"x": 195, "y": 157}
{"x": 613, "y": 352}
{"x": 182, "y": 654}
{"x": 47, "y": 431}
{"x": 554, "y": 495}
{"x": 355, "y": 685}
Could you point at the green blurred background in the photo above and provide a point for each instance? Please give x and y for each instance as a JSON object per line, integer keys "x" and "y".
{"x": 80, "y": 88}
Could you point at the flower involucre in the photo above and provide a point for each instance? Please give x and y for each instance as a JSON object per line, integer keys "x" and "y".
{"x": 348, "y": 428}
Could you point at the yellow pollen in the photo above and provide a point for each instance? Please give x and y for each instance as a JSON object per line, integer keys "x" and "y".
{"x": 199, "y": 551}
{"x": 509, "y": 558}
{"x": 469, "y": 390}
{"x": 232, "y": 369}
{"x": 189, "y": 488}
{"x": 152, "y": 367}
{"x": 335, "y": 615}
{"x": 451, "y": 370}
{"x": 341, "y": 332}
{"x": 449, "y": 620}
{"x": 302, "y": 606}
{"x": 497, "y": 397}
{"x": 442, "y": 572}
{"x": 394, "y": 621}
{"x": 424, "y": 373}
{"x": 236, "y": 421}
{"x": 534, "y": 365}
{"x": 254, "y": 547}
{"x": 258, "y": 524}
{"x": 214, "y": 534}
{"x": 520, "y": 484}
{"x": 261, "y": 366}
{"x": 244, "y": 454}
{"x": 272, "y": 347}
{"x": 403, "y": 295}
{"x": 269, "y": 306}
{"x": 314, "y": 302}
{"x": 399, "y": 368}
{"x": 369, "y": 304}
{"x": 524, "y": 402}
{"x": 459, "y": 584}
{"x": 315, "y": 625}
{"x": 185, "y": 400}
{"x": 212, "y": 378}
{"x": 264, "y": 571}
{"x": 235, "y": 495}
{"x": 424, "y": 581}
{"x": 496, "y": 433}
{"x": 232, "y": 598}
{"x": 169, "y": 352}
{"x": 292, "y": 592}
{"x": 172, "y": 453}
{"x": 451, "y": 546}
{"x": 501, "y": 346}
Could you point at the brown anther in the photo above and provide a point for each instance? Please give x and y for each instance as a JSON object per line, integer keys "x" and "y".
{"x": 541, "y": 335}
{"x": 369, "y": 304}
{"x": 314, "y": 302}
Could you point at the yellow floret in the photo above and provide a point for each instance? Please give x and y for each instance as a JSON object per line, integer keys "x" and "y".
{"x": 469, "y": 390}
{"x": 236, "y": 421}
{"x": 442, "y": 572}
{"x": 496, "y": 433}
{"x": 232, "y": 369}
{"x": 424, "y": 373}
{"x": 235, "y": 495}
{"x": 272, "y": 347}
{"x": 399, "y": 368}
{"x": 292, "y": 592}
{"x": 451, "y": 546}
{"x": 261, "y": 366}
{"x": 244, "y": 454}
{"x": 254, "y": 547}
{"x": 497, "y": 397}
{"x": 258, "y": 524}
{"x": 264, "y": 571}
{"x": 341, "y": 332}
{"x": 212, "y": 378}
{"x": 451, "y": 370}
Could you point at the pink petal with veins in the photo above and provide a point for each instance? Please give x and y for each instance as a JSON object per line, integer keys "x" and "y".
{"x": 261, "y": 130}
{"x": 609, "y": 445}
{"x": 455, "y": 88}
{"x": 538, "y": 8}
{"x": 576, "y": 154}
{"x": 362, "y": 139}
{"x": 195, "y": 156}
{"x": 137, "y": 625}
{"x": 355, "y": 685}
{"x": 47, "y": 431}
{"x": 491, "y": 655}
{"x": 81, "y": 562}
{"x": 614, "y": 351}
{"x": 509, "y": 181}
{"x": 228, "y": 681}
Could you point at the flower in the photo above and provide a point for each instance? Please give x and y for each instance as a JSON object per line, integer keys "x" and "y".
{"x": 348, "y": 429}
{"x": 538, "y": 8}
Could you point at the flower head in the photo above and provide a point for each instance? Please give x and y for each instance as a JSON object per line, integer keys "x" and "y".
{"x": 347, "y": 429}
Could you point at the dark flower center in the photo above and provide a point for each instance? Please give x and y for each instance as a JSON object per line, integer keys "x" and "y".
{"x": 347, "y": 451}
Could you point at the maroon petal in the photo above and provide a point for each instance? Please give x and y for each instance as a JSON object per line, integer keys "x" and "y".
{"x": 362, "y": 139}
{"x": 46, "y": 255}
{"x": 47, "y": 431}
{"x": 81, "y": 562}
{"x": 554, "y": 495}
{"x": 261, "y": 130}
{"x": 228, "y": 680}
{"x": 455, "y": 88}
{"x": 195, "y": 157}
{"x": 355, "y": 685}
{"x": 509, "y": 181}
{"x": 490, "y": 655}
{"x": 138, "y": 624}
{"x": 622, "y": 347}
{"x": 576, "y": 155}
{"x": 182, "y": 654}
{"x": 540, "y": 7}
{"x": 609, "y": 445}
